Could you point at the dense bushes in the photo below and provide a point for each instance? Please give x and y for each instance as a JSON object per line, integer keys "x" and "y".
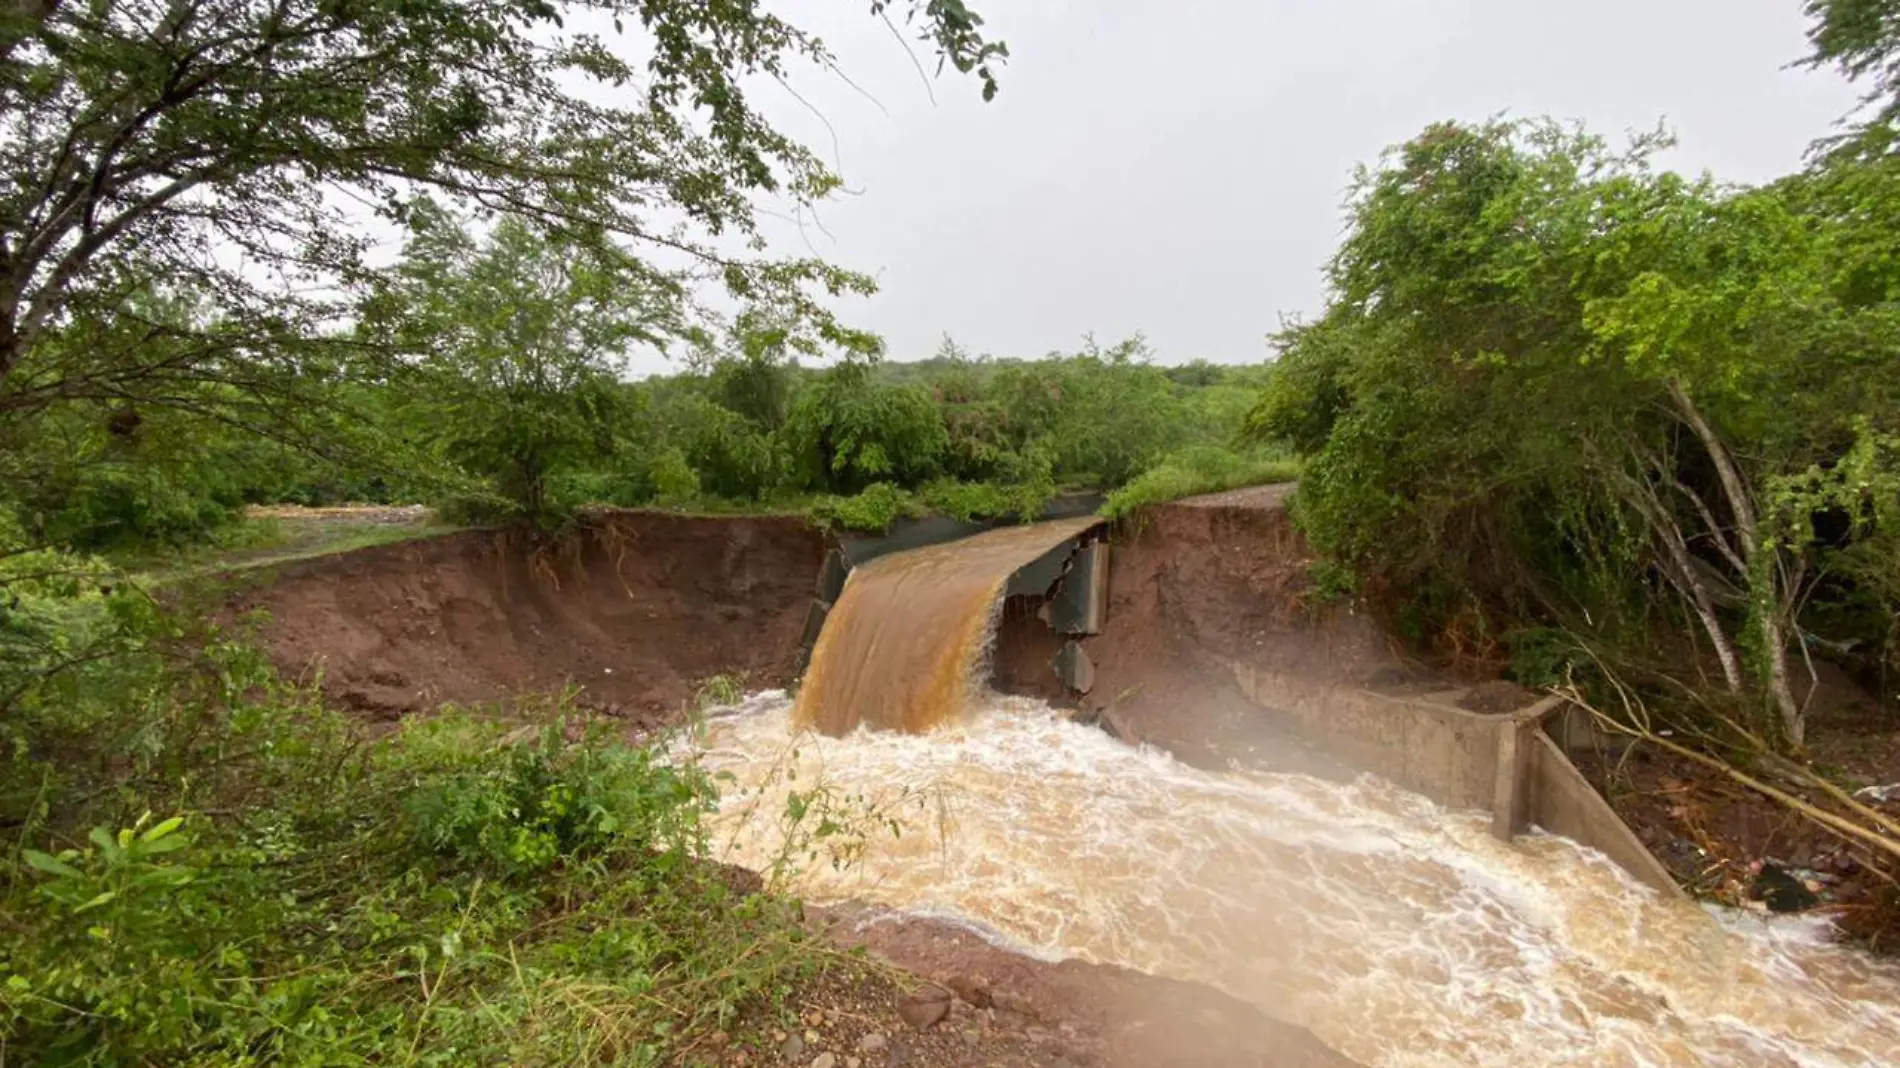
{"x": 1557, "y": 388}
{"x": 491, "y": 431}
{"x": 218, "y": 870}
{"x": 953, "y": 434}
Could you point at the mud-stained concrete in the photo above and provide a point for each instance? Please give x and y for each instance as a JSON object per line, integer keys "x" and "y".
{"x": 634, "y": 609}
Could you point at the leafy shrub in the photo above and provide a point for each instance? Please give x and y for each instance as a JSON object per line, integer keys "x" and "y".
{"x": 1200, "y": 469}
{"x": 459, "y": 891}
{"x": 874, "y": 510}
{"x": 848, "y": 431}
{"x": 514, "y": 806}
{"x": 674, "y": 480}
{"x": 730, "y": 456}
{"x": 986, "y": 500}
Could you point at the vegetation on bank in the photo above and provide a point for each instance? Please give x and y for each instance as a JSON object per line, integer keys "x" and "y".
{"x": 1566, "y": 414}
{"x": 1624, "y": 433}
{"x": 223, "y": 871}
{"x": 1641, "y": 414}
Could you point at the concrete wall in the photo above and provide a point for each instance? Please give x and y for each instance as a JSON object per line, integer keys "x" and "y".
{"x": 1507, "y": 764}
{"x": 1445, "y": 753}
{"x": 1562, "y": 801}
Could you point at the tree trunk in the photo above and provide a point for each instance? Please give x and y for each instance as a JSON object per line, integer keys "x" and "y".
{"x": 1792, "y": 720}
{"x": 10, "y": 350}
{"x": 1770, "y": 605}
{"x": 1681, "y": 574}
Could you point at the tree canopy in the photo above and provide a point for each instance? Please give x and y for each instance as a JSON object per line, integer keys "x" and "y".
{"x": 1551, "y": 374}
{"x": 238, "y": 151}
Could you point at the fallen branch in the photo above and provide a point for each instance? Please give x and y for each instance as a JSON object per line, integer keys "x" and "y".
{"x": 1838, "y": 824}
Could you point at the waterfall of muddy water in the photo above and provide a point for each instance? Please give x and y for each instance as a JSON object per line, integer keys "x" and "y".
{"x": 1400, "y": 932}
{"x": 902, "y": 648}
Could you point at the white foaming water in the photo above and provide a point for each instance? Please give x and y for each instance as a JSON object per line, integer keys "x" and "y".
{"x": 1398, "y": 931}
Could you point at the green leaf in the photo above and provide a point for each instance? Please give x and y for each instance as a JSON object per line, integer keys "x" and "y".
{"x": 164, "y": 845}
{"x": 50, "y": 864}
{"x": 162, "y": 829}
{"x": 106, "y": 843}
{"x": 105, "y": 897}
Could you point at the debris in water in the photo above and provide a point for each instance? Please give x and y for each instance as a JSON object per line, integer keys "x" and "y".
{"x": 1775, "y": 887}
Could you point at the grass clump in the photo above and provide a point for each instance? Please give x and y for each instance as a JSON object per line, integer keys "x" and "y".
{"x": 1200, "y": 469}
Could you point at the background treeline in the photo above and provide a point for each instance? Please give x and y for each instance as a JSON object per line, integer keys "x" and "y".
{"x": 514, "y": 423}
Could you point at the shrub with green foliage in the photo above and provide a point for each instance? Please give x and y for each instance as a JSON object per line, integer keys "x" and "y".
{"x": 219, "y": 870}
{"x": 1557, "y": 387}
{"x": 1200, "y": 469}
{"x": 526, "y": 336}
{"x": 847, "y": 431}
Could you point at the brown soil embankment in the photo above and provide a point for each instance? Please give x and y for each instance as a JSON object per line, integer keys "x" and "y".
{"x": 635, "y": 609}
{"x": 1197, "y": 585}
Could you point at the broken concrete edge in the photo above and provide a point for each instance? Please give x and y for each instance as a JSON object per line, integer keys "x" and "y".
{"x": 1075, "y": 669}
{"x": 1079, "y": 605}
{"x": 914, "y": 533}
{"x": 1505, "y": 764}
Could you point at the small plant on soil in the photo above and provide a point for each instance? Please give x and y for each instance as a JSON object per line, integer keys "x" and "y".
{"x": 719, "y": 690}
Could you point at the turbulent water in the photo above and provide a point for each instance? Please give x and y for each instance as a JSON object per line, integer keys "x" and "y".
{"x": 900, "y": 649}
{"x": 1398, "y": 931}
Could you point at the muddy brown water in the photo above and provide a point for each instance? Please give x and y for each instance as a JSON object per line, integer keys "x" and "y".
{"x": 1398, "y": 931}
{"x": 901, "y": 648}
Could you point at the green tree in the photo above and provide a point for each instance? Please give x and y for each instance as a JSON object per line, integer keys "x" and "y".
{"x": 847, "y": 431}
{"x": 526, "y": 337}
{"x": 235, "y": 150}
{"x": 1550, "y": 375}
{"x": 1862, "y": 38}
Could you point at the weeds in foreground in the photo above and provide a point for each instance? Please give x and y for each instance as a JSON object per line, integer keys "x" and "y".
{"x": 718, "y": 691}
{"x": 208, "y": 867}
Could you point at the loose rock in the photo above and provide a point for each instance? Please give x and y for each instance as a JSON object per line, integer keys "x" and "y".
{"x": 926, "y": 1009}
{"x": 792, "y": 1048}
{"x": 971, "y": 991}
{"x": 872, "y": 1043}
{"x": 825, "y": 1060}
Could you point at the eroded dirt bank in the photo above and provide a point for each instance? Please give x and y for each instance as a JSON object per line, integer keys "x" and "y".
{"x": 1199, "y": 583}
{"x": 634, "y": 608}
{"x": 637, "y": 609}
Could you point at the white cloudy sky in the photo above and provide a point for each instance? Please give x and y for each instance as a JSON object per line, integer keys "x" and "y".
{"x": 1176, "y": 166}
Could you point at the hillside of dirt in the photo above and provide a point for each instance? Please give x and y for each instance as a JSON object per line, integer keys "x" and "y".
{"x": 1222, "y": 577}
{"x": 635, "y": 609}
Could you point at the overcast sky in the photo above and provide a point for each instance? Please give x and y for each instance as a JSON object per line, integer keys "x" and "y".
{"x": 1176, "y": 167}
